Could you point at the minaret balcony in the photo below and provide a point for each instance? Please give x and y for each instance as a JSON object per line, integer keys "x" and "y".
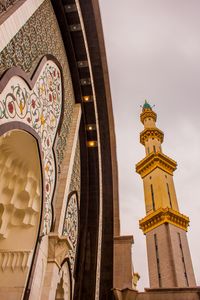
{"x": 163, "y": 216}
{"x": 153, "y": 133}
{"x": 148, "y": 113}
{"x": 153, "y": 161}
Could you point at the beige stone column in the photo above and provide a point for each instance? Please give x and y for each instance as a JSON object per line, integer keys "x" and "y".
{"x": 58, "y": 249}
{"x": 123, "y": 270}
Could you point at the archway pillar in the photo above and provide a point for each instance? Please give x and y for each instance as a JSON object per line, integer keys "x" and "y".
{"x": 58, "y": 250}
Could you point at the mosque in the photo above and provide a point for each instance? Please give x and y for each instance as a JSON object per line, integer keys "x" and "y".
{"x": 59, "y": 206}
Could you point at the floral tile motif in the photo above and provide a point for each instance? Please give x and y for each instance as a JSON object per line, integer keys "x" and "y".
{"x": 71, "y": 225}
{"x": 39, "y": 108}
{"x": 40, "y": 36}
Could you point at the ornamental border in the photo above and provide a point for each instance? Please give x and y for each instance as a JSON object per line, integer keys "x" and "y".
{"x": 146, "y": 114}
{"x": 31, "y": 78}
{"x": 163, "y": 216}
{"x": 155, "y": 160}
{"x": 74, "y": 192}
{"x": 151, "y": 133}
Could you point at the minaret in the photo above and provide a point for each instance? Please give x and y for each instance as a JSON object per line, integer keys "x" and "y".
{"x": 165, "y": 227}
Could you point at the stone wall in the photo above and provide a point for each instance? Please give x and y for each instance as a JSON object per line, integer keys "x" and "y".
{"x": 171, "y": 267}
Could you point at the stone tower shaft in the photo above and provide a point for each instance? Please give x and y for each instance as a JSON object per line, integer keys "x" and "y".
{"x": 165, "y": 227}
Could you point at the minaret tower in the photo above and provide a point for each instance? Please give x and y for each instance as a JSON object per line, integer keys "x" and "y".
{"x": 165, "y": 227}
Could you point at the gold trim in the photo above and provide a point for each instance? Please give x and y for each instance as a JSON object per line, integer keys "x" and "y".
{"x": 151, "y": 133}
{"x": 153, "y": 161}
{"x": 148, "y": 114}
{"x": 162, "y": 216}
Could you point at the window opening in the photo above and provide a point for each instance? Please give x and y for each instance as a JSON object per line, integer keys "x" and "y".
{"x": 168, "y": 191}
{"x": 157, "y": 260}
{"x": 152, "y": 196}
{"x": 183, "y": 260}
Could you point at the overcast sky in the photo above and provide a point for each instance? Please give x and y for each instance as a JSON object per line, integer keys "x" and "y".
{"x": 153, "y": 53}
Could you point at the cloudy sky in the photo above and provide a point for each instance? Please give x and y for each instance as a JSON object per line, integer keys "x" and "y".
{"x": 153, "y": 53}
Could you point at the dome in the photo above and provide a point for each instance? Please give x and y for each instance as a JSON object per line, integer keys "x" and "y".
{"x": 146, "y": 105}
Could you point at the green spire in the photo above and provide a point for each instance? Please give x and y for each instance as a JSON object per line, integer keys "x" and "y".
{"x": 146, "y": 105}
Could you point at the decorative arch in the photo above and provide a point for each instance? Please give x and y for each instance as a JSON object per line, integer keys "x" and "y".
{"x": 64, "y": 287}
{"x": 71, "y": 226}
{"x": 34, "y": 104}
{"x": 20, "y": 209}
{"x": 37, "y": 103}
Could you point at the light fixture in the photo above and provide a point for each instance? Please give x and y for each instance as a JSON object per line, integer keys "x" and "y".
{"x": 87, "y": 98}
{"x": 92, "y": 144}
{"x": 91, "y": 127}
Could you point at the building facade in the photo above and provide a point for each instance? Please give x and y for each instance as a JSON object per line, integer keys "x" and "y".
{"x": 59, "y": 186}
{"x": 59, "y": 209}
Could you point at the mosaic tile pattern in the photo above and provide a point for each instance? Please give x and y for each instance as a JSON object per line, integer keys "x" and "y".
{"x": 38, "y": 37}
{"x": 39, "y": 108}
{"x": 71, "y": 224}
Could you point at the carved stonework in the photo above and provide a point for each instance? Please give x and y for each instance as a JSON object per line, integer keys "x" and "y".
{"x": 20, "y": 199}
{"x": 163, "y": 216}
{"x": 153, "y": 133}
{"x": 66, "y": 281}
{"x": 63, "y": 291}
{"x": 20, "y": 183}
{"x": 15, "y": 260}
{"x": 39, "y": 108}
{"x": 75, "y": 186}
{"x": 153, "y": 161}
{"x": 29, "y": 45}
{"x": 5, "y": 5}
{"x": 76, "y": 173}
{"x": 71, "y": 220}
{"x": 148, "y": 113}
{"x": 71, "y": 224}
{"x": 58, "y": 248}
